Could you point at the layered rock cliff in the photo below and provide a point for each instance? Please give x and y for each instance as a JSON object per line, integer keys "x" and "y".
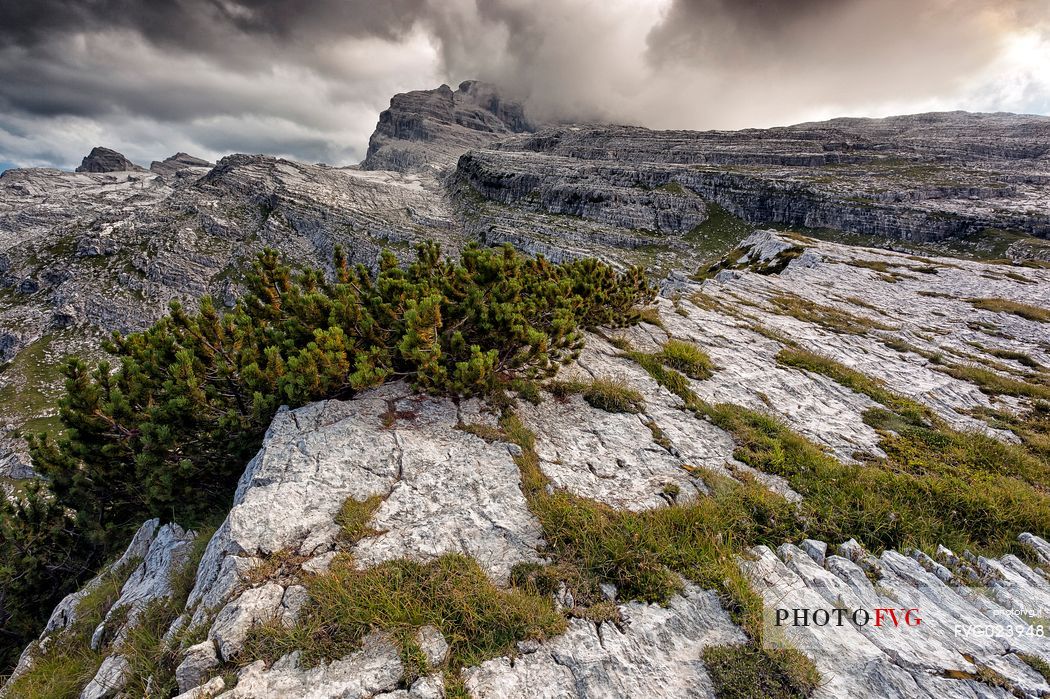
{"x": 427, "y": 130}
{"x": 918, "y": 178}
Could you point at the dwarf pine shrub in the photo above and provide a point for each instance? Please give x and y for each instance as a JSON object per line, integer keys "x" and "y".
{"x": 165, "y": 428}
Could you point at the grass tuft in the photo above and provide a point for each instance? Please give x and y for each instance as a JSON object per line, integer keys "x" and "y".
{"x": 1037, "y": 664}
{"x": 452, "y": 593}
{"x": 995, "y": 383}
{"x": 608, "y": 394}
{"x": 646, "y": 554}
{"x": 354, "y": 516}
{"x": 913, "y": 412}
{"x": 651, "y": 315}
{"x": 1024, "y": 310}
{"x": 487, "y": 432}
{"x": 749, "y": 671}
{"x": 687, "y": 358}
{"x": 833, "y": 319}
{"x": 68, "y": 663}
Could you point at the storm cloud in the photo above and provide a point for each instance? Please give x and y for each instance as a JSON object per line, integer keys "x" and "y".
{"x": 307, "y": 79}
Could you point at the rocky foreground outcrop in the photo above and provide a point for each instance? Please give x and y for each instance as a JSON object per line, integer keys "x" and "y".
{"x": 443, "y": 489}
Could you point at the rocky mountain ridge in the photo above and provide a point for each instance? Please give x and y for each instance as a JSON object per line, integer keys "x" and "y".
{"x": 917, "y": 178}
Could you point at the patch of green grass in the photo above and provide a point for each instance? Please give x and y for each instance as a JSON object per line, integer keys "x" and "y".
{"x": 856, "y": 301}
{"x": 917, "y": 441}
{"x": 527, "y": 390}
{"x": 994, "y": 383}
{"x": 1024, "y": 310}
{"x": 644, "y": 553}
{"x": 898, "y": 343}
{"x": 33, "y": 383}
{"x": 831, "y": 318}
{"x": 651, "y": 315}
{"x": 59, "y": 673}
{"x": 968, "y": 456}
{"x": 876, "y": 265}
{"x": 1032, "y": 427}
{"x": 929, "y": 491}
{"x": 612, "y": 395}
{"x": 354, "y": 516}
{"x": 936, "y": 486}
{"x": 748, "y": 672}
{"x": 670, "y": 379}
{"x": 705, "y": 301}
{"x": 687, "y": 358}
{"x": 152, "y": 661}
{"x": 717, "y": 235}
{"x": 673, "y": 188}
{"x": 451, "y": 593}
{"x": 1014, "y": 356}
{"x": 1037, "y": 664}
{"x": 489, "y": 433}
{"x": 68, "y": 663}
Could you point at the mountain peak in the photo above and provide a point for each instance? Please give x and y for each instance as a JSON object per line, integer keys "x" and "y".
{"x": 106, "y": 160}
{"x": 430, "y": 129}
{"x": 177, "y": 162}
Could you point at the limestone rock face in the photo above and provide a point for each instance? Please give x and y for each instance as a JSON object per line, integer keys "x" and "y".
{"x": 429, "y": 129}
{"x": 106, "y": 160}
{"x": 374, "y": 669}
{"x": 658, "y": 653}
{"x": 936, "y": 658}
{"x": 919, "y": 177}
{"x": 444, "y": 490}
{"x": 109, "y": 680}
{"x": 198, "y": 663}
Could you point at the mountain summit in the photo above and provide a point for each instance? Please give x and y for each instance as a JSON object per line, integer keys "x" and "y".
{"x": 429, "y": 129}
{"x": 106, "y": 160}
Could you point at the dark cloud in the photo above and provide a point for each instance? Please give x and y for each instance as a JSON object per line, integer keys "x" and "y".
{"x": 208, "y": 25}
{"x": 307, "y": 78}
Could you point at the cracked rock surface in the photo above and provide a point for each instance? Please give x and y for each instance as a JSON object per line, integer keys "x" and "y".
{"x": 942, "y": 656}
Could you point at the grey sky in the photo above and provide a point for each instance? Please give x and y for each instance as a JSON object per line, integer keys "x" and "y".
{"x": 307, "y": 79}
